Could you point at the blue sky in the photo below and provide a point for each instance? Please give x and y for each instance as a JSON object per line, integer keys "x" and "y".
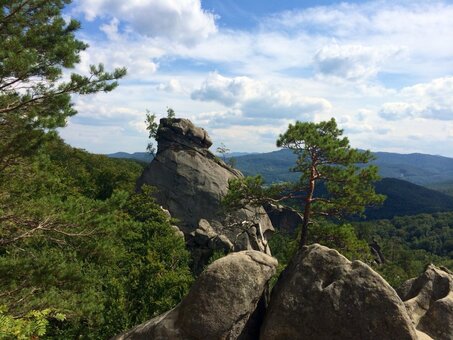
{"x": 244, "y": 70}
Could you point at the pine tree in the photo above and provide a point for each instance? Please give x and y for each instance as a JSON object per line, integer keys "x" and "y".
{"x": 325, "y": 160}
{"x": 36, "y": 46}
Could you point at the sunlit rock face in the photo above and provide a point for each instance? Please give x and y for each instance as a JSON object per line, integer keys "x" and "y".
{"x": 190, "y": 182}
{"x": 218, "y": 306}
{"x": 429, "y": 301}
{"x": 323, "y": 295}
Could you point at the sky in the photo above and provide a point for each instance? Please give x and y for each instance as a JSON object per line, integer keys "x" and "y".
{"x": 245, "y": 69}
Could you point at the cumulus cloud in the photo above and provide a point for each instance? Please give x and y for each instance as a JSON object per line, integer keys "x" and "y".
{"x": 171, "y": 86}
{"x": 433, "y": 100}
{"x": 255, "y": 99}
{"x": 182, "y": 20}
{"x": 228, "y": 91}
{"x": 352, "y": 62}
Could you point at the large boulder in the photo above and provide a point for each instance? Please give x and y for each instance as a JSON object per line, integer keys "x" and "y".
{"x": 322, "y": 295}
{"x": 429, "y": 301}
{"x": 191, "y": 182}
{"x": 219, "y": 304}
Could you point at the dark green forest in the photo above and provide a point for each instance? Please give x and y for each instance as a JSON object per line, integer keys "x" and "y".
{"x": 81, "y": 250}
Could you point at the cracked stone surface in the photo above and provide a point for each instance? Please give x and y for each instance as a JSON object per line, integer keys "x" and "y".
{"x": 323, "y": 295}
{"x": 429, "y": 301}
{"x": 218, "y": 305}
{"x": 191, "y": 182}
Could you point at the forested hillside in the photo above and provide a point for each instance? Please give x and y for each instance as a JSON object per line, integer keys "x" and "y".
{"x": 420, "y": 169}
{"x": 81, "y": 248}
{"x": 405, "y": 198}
{"x": 82, "y": 255}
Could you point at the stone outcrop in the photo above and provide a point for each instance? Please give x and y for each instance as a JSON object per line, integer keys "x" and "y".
{"x": 284, "y": 218}
{"x": 322, "y": 295}
{"x": 219, "y": 304}
{"x": 429, "y": 301}
{"x": 191, "y": 182}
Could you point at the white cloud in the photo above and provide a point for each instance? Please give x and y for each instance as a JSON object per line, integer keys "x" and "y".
{"x": 352, "y": 62}
{"x": 422, "y": 29}
{"x": 228, "y": 91}
{"x": 171, "y": 86}
{"x": 255, "y": 99}
{"x": 433, "y": 100}
{"x": 358, "y": 62}
{"x": 111, "y": 29}
{"x": 182, "y": 20}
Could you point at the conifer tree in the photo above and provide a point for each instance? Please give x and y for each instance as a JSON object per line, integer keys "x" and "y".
{"x": 325, "y": 156}
{"x": 36, "y": 46}
{"x": 325, "y": 160}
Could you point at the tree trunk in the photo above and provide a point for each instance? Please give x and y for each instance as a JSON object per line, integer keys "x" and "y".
{"x": 307, "y": 209}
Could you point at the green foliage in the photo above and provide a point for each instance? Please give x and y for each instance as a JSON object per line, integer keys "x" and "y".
{"x": 36, "y": 45}
{"x": 170, "y": 113}
{"x": 223, "y": 150}
{"x": 435, "y": 172}
{"x": 340, "y": 237}
{"x": 74, "y": 238}
{"x": 403, "y": 263}
{"x": 409, "y": 243}
{"x": 71, "y": 242}
{"x": 432, "y": 233}
{"x": 33, "y": 325}
{"x": 151, "y": 126}
{"x": 283, "y": 247}
{"x": 405, "y": 198}
{"x": 324, "y": 157}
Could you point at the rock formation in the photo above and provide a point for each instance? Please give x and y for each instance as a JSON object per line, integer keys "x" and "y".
{"x": 219, "y": 304}
{"x": 322, "y": 295}
{"x": 429, "y": 301}
{"x": 283, "y": 218}
{"x": 191, "y": 182}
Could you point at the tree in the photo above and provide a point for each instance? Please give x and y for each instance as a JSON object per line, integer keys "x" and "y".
{"x": 171, "y": 114}
{"x": 223, "y": 150}
{"x": 326, "y": 158}
{"x": 36, "y": 46}
{"x": 152, "y": 127}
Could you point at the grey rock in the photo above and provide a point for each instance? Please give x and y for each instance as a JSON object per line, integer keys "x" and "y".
{"x": 429, "y": 301}
{"x": 323, "y": 295}
{"x": 182, "y": 131}
{"x": 218, "y": 305}
{"x": 284, "y": 218}
{"x": 191, "y": 182}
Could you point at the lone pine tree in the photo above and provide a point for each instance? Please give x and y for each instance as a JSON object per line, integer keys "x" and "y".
{"x": 326, "y": 160}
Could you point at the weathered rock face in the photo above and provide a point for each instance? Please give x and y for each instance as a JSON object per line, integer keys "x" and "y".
{"x": 429, "y": 301}
{"x": 322, "y": 295}
{"x": 218, "y": 305}
{"x": 191, "y": 182}
{"x": 284, "y": 218}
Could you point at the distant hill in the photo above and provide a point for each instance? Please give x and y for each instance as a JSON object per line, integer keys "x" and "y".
{"x": 139, "y": 156}
{"x": 405, "y": 198}
{"x": 416, "y": 168}
{"x": 435, "y": 172}
{"x": 147, "y": 157}
{"x": 445, "y": 187}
